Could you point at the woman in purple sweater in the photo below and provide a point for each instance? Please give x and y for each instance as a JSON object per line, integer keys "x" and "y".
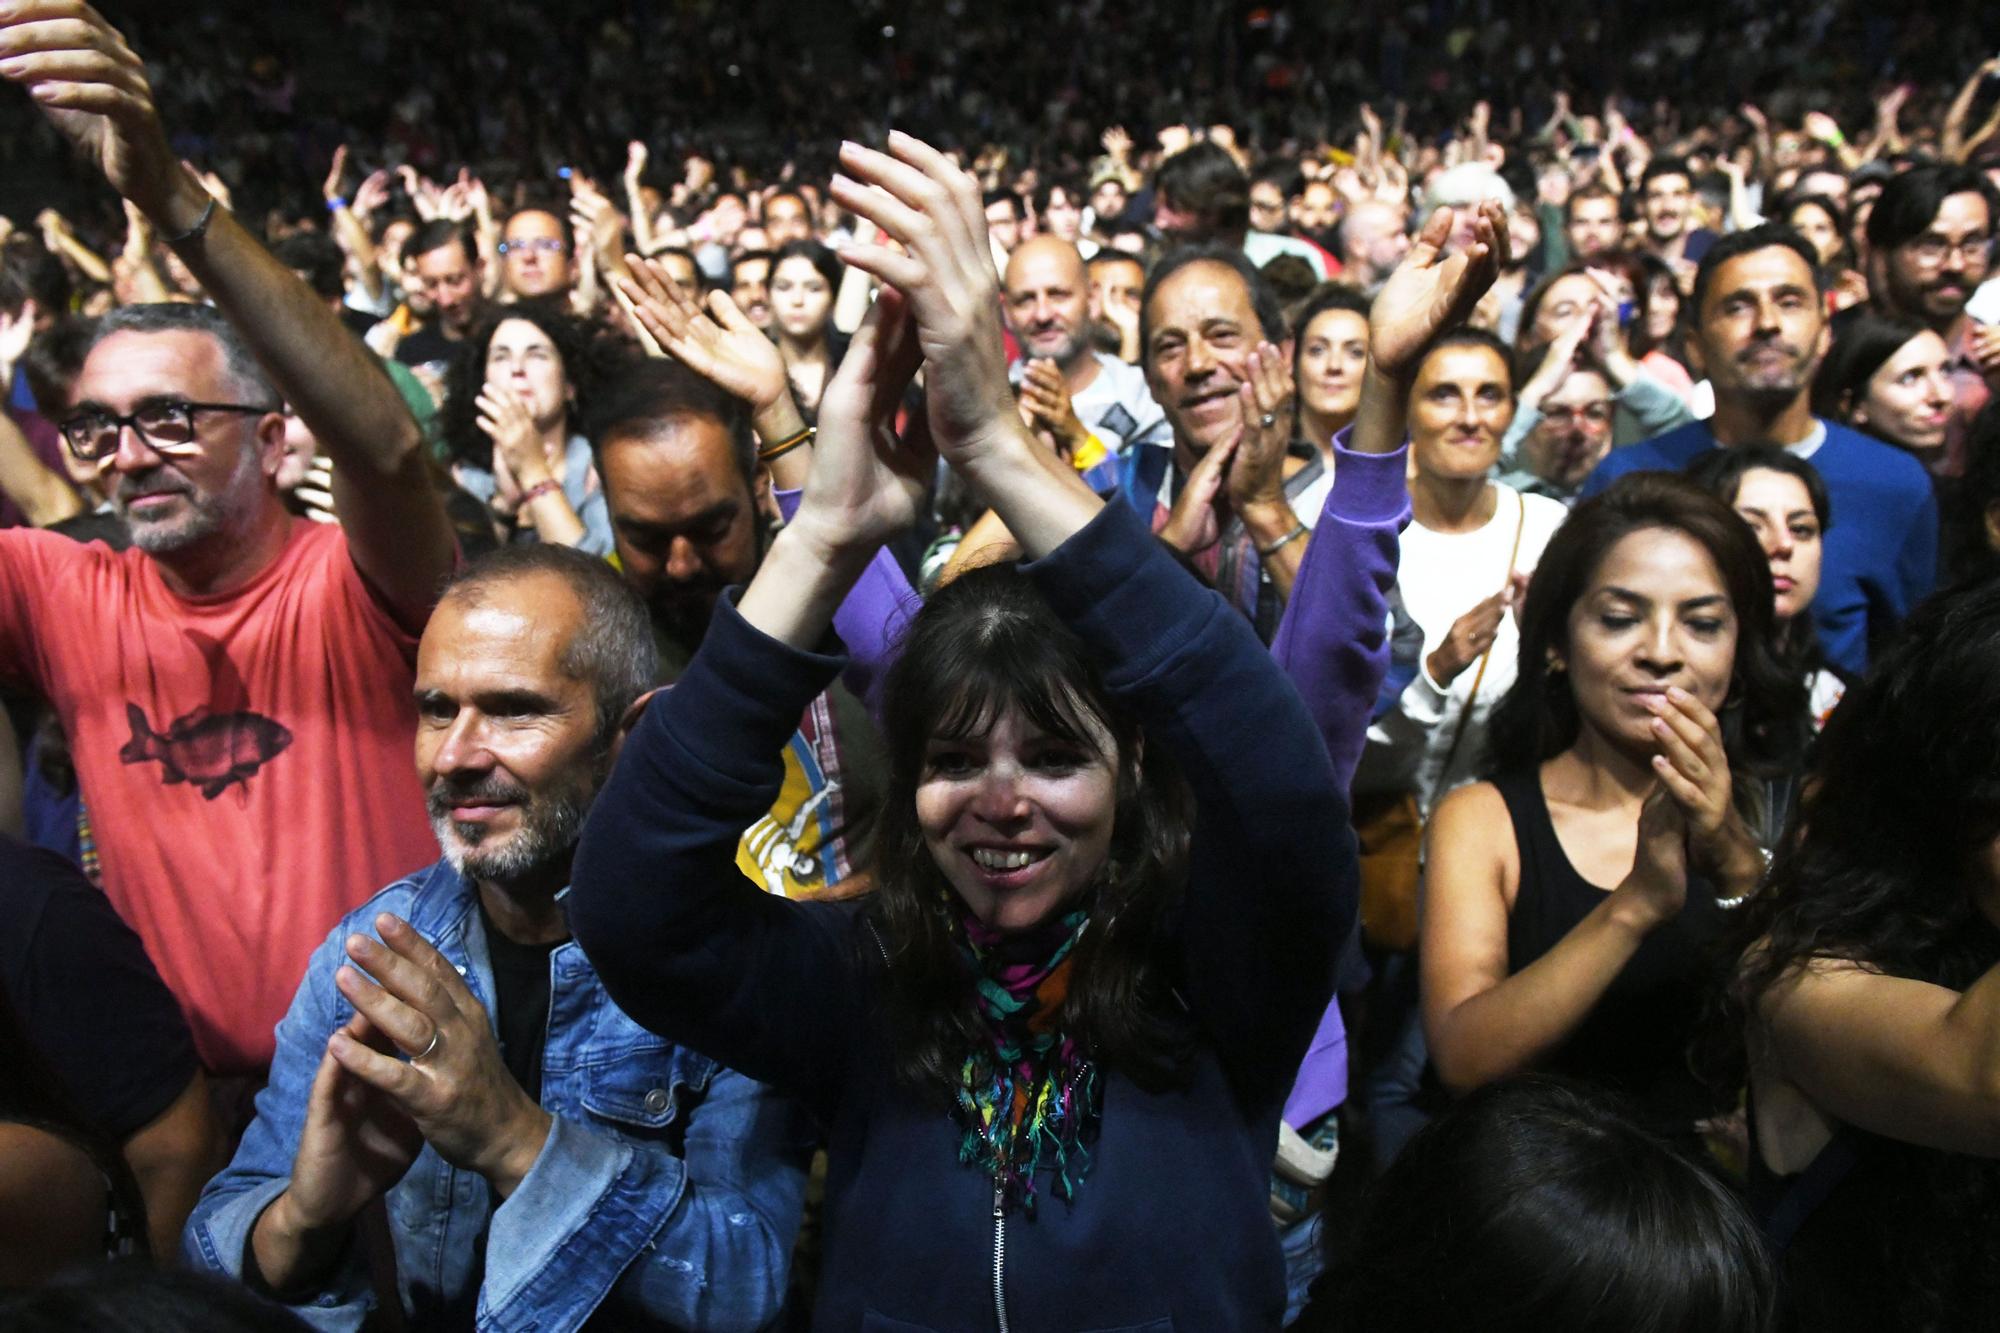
{"x": 1052, "y": 1048}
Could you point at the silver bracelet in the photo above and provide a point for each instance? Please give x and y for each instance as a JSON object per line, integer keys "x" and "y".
{"x": 1282, "y": 542}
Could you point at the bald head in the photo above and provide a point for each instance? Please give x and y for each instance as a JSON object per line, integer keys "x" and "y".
{"x": 1048, "y": 300}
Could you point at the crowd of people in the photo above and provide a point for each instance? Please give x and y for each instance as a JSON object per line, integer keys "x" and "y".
{"x": 1364, "y": 711}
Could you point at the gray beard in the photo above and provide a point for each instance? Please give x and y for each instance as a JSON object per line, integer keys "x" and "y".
{"x": 549, "y": 828}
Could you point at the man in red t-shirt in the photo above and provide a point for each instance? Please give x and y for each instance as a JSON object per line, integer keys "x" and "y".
{"x": 237, "y": 687}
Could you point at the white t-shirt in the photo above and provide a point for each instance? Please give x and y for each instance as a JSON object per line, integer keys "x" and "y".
{"x": 1440, "y": 577}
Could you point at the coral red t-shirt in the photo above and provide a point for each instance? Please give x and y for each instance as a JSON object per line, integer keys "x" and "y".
{"x": 247, "y": 759}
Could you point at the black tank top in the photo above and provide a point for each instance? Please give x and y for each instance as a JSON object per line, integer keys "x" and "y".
{"x": 1635, "y": 1040}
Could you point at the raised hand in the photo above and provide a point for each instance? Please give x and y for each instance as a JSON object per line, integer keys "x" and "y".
{"x": 454, "y": 1087}
{"x": 1431, "y": 293}
{"x": 94, "y": 91}
{"x": 944, "y": 269}
{"x": 1117, "y": 143}
{"x": 335, "y": 174}
{"x": 720, "y": 343}
{"x": 1824, "y": 129}
{"x": 866, "y": 485}
{"x": 635, "y": 163}
{"x": 371, "y": 194}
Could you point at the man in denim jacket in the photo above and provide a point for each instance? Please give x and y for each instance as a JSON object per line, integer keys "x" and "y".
{"x": 458, "y": 1113}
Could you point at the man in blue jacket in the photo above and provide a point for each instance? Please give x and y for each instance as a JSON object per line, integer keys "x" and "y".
{"x": 1759, "y": 333}
{"x": 452, "y": 1055}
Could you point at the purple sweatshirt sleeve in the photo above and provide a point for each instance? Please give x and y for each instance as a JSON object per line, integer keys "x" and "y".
{"x": 1334, "y": 639}
{"x": 871, "y": 620}
{"x": 1333, "y": 643}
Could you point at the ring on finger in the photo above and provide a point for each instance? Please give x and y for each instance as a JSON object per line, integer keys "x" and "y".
{"x": 1268, "y": 420}
{"x": 437, "y": 1040}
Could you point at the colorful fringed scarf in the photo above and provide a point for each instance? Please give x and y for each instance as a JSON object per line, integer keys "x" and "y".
{"x": 1031, "y": 1091}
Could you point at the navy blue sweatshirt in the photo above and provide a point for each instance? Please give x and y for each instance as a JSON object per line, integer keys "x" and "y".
{"x": 1170, "y": 1227}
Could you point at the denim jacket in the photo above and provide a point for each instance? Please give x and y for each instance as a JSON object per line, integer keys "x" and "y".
{"x": 670, "y": 1187}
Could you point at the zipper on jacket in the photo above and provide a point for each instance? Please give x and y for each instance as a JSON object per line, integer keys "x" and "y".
{"x": 1000, "y": 1250}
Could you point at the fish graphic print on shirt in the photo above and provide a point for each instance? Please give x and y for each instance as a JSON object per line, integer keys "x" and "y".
{"x": 210, "y": 750}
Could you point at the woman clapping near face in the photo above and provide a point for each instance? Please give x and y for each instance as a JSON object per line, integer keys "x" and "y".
{"x": 1571, "y": 901}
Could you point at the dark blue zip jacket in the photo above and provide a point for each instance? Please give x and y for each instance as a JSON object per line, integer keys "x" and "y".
{"x": 1170, "y": 1228}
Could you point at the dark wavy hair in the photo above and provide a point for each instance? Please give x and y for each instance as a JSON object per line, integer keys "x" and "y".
{"x": 984, "y": 643}
{"x": 464, "y": 441}
{"x": 1536, "y": 1204}
{"x": 1905, "y": 796}
{"x": 1765, "y": 722}
{"x": 1720, "y": 472}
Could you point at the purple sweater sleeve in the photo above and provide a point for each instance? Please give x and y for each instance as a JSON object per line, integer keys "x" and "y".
{"x": 871, "y": 620}
{"x": 1333, "y": 643}
{"x": 1334, "y": 639}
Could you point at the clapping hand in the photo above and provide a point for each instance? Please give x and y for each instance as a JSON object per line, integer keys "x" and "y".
{"x": 944, "y": 269}
{"x": 1046, "y": 405}
{"x": 517, "y": 445}
{"x": 718, "y": 343}
{"x": 1693, "y": 768}
{"x": 1256, "y": 473}
{"x": 455, "y": 1087}
{"x": 866, "y": 485}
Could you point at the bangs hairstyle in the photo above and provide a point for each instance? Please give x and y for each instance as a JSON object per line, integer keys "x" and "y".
{"x": 1764, "y": 720}
{"x": 985, "y": 643}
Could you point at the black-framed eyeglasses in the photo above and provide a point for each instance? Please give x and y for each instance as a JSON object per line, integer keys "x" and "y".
{"x": 166, "y": 424}
{"x": 548, "y": 245}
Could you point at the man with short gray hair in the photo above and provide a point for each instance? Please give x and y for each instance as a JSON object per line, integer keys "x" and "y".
{"x": 235, "y": 689}
{"x": 449, "y": 1032}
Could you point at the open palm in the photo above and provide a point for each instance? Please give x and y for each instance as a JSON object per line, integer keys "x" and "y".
{"x": 718, "y": 343}
{"x": 1431, "y": 292}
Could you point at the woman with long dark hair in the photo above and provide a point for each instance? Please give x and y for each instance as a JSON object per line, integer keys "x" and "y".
{"x": 1869, "y": 996}
{"x": 804, "y": 277}
{"x": 1051, "y": 1098}
{"x": 1639, "y": 761}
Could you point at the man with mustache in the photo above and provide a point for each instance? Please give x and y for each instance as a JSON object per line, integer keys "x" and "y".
{"x": 1930, "y": 246}
{"x": 1759, "y": 332}
{"x": 452, "y": 1054}
{"x": 235, "y": 687}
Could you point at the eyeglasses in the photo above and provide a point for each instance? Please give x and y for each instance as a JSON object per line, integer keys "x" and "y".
{"x": 1934, "y": 249}
{"x": 1590, "y": 414}
{"x": 166, "y": 424}
{"x": 548, "y": 245}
